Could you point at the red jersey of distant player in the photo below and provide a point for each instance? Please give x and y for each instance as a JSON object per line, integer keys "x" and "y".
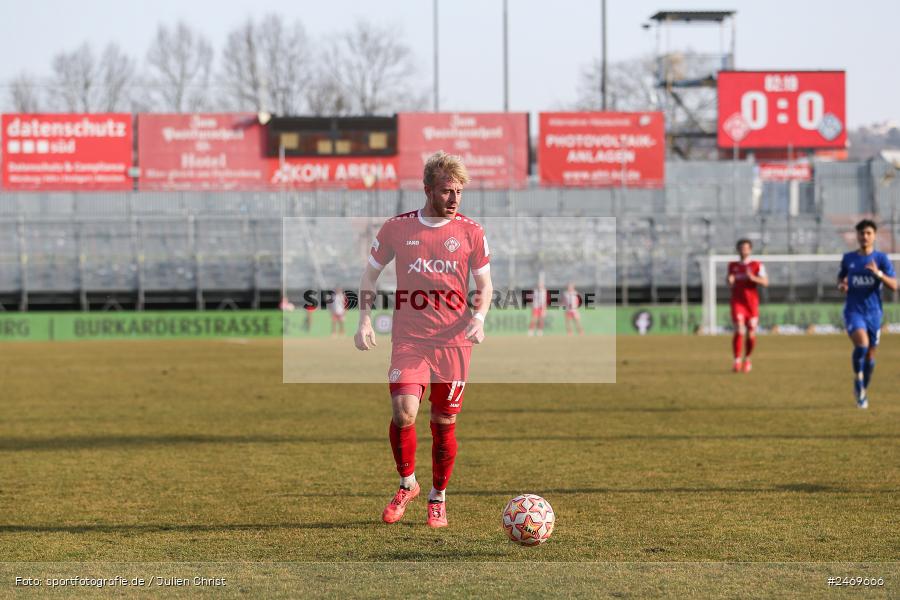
{"x": 744, "y": 292}
{"x": 433, "y": 262}
{"x": 539, "y": 300}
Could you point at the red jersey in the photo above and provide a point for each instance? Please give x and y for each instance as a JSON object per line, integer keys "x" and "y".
{"x": 433, "y": 262}
{"x": 744, "y": 292}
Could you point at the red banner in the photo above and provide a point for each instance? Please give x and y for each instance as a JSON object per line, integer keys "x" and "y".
{"x": 67, "y": 151}
{"x": 779, "y": 109}
{"x": 773, "y": 171}
{"x": 201, "y": 152}
{"x": 493, "y": 146}
{"x": 352, "y": 172}
{"x": 602, "y": 149}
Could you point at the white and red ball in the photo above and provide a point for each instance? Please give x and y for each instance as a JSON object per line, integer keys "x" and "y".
{"x": 528, "y": 520}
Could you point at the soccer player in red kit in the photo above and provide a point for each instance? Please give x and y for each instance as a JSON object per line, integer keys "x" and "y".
{"x": 538, "y": 309}
{"x": 744, "y": 278}
{"x": 435, "y": 250}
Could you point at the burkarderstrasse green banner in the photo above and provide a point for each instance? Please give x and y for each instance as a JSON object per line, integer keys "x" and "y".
{"x": 140, "y": 325}
{"x": 159, "y": 325}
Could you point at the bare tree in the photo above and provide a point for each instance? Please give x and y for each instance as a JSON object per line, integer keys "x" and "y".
{"x": 179, "y": 67}
{"x": 116, "y": 75}
{"x": 324, "y": 97}
{"x": 75, "y": 79}
{"x": 372, "y": 71}
{"x": 84, "y": 83}
{"x": 267, "y": 66}
{"x": 631, "y": 85}
{"x": 25, "y": 94}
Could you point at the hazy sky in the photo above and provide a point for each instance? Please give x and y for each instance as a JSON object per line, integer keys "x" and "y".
{"x": 548, "y": 47}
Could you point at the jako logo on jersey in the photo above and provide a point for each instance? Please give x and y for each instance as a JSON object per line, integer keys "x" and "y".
{"x": 863, "y": 280}
{"x": 432, "y": 265}
{"x": 412, "y": 242}
{"x": 452, "y": 244}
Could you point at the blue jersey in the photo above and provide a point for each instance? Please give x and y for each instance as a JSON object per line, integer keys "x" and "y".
{"x": 863, "y": 288}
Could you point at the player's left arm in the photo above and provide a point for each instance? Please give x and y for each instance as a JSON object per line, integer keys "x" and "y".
{"x": 482, "y": 304}
{"x": 884, "y": 272}
{"x": 762, "y": 278}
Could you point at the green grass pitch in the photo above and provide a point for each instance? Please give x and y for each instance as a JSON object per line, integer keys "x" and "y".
{"x": 161, "y": 458}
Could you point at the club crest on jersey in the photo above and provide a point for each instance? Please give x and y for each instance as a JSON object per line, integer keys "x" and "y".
{"x": 432, "y": 265}
{"x": 394, "y": 377}
{"x": 375, "y": 244}
{"x": 452, "y": 244}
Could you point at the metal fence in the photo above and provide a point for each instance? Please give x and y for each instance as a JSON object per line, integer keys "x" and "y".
{"x": 109, "y": 250}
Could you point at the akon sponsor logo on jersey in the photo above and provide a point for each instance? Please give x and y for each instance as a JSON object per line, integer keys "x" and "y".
{"x": 432, "y": 265}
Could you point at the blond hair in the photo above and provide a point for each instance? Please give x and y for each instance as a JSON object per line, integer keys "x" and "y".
{"x": 441, "y": 163}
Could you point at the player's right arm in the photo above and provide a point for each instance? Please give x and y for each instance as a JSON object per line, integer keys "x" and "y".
{"x": 380, "y": 254}
{"x": 842, "y": 284}
{"x": 365, "y": 335}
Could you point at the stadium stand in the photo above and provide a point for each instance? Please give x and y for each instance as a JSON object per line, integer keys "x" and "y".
{"x": 102, "y": 251}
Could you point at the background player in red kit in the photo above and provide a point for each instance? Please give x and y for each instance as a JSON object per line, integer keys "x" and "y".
{"x": 435, "y": 249}
{"x": 744, "y": 277}
{"x": 538, "y": 309}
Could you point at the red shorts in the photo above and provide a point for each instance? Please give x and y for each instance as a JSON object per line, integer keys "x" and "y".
{"x": 741, "y": 313}
{"x": 414, "y": 366}
{"x": 337, "y": 318}
{"x": 572, "y": 314}
{"x": 538, "y": 312}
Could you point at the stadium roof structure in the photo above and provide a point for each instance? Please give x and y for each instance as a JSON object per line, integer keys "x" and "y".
{"x": 688, "y": 80}
{"x": 712, "y": 16}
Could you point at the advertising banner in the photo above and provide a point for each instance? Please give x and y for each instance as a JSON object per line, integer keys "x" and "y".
{"x": 220, "y": 152}
{"x": 782, "y": 171}
{"x": 784, "y": 319}
{"x": 46, "y": 152}
{"x": 355, "y": 173}
{"x": 602, "y": 149}
{"x": 781, "y": 109}
{"x": 493, "y": 146}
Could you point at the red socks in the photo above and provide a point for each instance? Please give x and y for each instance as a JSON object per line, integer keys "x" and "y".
{"x": 403, "y": 444}
{"x": 751, "y": 342}
{"x": 443, "y": 453}
{"x": 736, "y": 342}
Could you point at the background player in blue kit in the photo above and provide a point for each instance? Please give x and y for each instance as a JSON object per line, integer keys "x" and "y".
{"x": 861, "y": 277}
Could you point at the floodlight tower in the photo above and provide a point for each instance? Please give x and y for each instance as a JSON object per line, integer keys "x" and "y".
{"x": 687, "y": 80}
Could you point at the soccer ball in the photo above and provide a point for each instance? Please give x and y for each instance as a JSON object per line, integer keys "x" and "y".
{"x": 528, "y": 520}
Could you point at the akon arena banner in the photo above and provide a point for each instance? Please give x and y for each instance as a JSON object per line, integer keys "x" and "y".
{"x": 74, "y": 152}
{"x": 346, "y": 172}
{"x": 493, "y": 146}
{"x": 602, "y": 149}
{"x": 214, "y": 151}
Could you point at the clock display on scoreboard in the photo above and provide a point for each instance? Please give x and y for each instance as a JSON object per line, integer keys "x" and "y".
{"x": 778, "y": 109}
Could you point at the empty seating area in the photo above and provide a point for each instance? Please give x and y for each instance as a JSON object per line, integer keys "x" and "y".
{"x": 105, "y": 251}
